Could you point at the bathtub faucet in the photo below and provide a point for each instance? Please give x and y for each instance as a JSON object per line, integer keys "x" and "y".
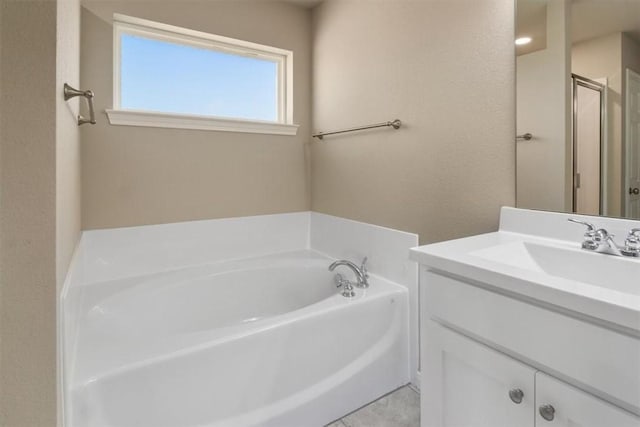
{"x": 360, "y": 272}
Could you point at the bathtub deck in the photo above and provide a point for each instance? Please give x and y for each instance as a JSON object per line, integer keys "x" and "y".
{"x": 400, "y": 408}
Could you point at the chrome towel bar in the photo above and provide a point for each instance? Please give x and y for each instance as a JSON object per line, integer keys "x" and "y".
{"x": 70, "y": 92}
{"x": 394, "y": 124}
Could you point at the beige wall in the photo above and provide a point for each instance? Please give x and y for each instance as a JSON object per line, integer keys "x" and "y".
{"x": 543, "y": 109}
{"x": 136, "y": 175}
{"x": 27, "y": 214}
{"x": 68, "y": 218}
{"x": 68, "y": 167}
{"x": 39, "y": 199}
{"x": 630, "y": 53}
{"x": 596, "y": 59}
{"x": 446, "y": 69}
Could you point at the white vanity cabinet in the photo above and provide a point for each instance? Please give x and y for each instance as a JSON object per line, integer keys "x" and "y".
{"x": 468, "y": 384}
{"x": 575, "y": 408}
{"x": 491, "y": 359}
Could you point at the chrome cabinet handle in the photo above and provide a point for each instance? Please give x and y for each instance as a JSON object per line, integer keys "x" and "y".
{"x": 516, "y": 395}
{"x": 547, "y": 412}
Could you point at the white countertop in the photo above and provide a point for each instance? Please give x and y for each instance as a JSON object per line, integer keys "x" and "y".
{"x": 478, "y": 258}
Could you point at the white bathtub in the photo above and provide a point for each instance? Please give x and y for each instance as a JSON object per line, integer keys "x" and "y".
{"x": 266, "y": 341}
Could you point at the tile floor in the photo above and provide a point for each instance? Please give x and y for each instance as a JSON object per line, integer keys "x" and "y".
{"x": 400, "y": 408}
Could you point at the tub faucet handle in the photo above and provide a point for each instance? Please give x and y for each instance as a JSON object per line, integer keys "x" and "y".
{"x": 347, "y": 286}
{"x": 363, "y": 268}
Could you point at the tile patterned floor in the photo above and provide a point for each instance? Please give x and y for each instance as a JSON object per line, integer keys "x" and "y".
{"x": 400, "y": 408}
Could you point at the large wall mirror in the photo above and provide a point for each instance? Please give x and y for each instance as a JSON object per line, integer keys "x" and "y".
{"x": 578, "y": 106}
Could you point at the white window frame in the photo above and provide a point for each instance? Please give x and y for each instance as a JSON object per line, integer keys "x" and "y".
{"x": 123, "y": 24}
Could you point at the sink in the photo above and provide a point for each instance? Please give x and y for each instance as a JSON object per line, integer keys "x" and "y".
{"x": 605, "y": 271}
{"x": 537, "y": 255}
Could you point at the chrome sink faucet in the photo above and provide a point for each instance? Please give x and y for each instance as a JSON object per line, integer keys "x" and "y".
{"x": 360, "y": 272}
{"x": 599, "y": 240}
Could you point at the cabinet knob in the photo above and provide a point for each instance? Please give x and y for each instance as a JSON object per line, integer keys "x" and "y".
{"x": 516, "y": 395}
{"x": 547, "y": 412}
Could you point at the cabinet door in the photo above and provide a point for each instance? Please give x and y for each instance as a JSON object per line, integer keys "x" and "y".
{"x": 467, "y": 384}
{"x": 575, "y": 408}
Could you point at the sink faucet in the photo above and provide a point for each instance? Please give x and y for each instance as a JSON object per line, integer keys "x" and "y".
{"x": 599, "y": 240}
{"x": 360, "y": 272}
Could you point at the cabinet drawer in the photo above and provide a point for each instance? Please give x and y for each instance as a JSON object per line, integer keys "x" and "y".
{"x": 601, "y": 360}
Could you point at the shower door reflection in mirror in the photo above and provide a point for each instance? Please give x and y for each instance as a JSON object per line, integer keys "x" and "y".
{"x": 578, "y": 94}
{"x": 588, "y": 145}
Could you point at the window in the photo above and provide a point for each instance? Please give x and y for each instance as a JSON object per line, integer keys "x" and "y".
{"x": 169, "y": 76}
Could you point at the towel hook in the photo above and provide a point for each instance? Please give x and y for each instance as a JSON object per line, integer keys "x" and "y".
{"x": 70, "y": 92}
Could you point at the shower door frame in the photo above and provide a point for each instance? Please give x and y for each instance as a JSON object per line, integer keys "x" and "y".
{"x": 585, "y": 82}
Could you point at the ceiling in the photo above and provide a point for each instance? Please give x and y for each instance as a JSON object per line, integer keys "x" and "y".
{"x": 595, "y": 18}
{"x": 589, "y": 19}
{"x": 531, "y": 21}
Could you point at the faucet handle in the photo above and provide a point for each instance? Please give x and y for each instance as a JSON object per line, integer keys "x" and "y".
{"x": 590, "y": 227}
{"x": 634, "y": 233}
{"x": 340, "y": 280}
{"x": 591, "y": 236}
{"x": 347, "y": 291}
{"x": 363, "y": 268}
{"x": 632, "y": 243}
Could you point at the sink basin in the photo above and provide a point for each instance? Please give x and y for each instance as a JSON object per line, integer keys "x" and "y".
{"x": 537, "y": 255}
{"x": 606, "y": 271}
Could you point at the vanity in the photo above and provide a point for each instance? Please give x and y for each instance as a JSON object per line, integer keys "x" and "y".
{"x": 523, "y": 327}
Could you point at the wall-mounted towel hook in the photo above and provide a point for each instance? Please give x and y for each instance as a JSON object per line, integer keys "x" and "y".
{"x": 70, "y": 92}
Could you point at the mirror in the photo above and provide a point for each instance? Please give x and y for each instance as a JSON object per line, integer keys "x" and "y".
{"x": 578, "y": 106}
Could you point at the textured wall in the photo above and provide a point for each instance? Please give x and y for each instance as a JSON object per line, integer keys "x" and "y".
{"x": 39, "y": 198}
{"x": 68, "y": 188}
{"x": 135, "y": 175}
{"x": 68, "y": 166}
{"x": 27, "y": 214}
{"x": 446, "y": 68}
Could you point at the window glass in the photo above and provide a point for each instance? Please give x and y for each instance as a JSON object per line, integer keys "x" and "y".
{"x": 157, "y": 75}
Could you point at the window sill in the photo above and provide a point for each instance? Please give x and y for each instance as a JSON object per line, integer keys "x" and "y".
{"x": 189, "y": 121}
